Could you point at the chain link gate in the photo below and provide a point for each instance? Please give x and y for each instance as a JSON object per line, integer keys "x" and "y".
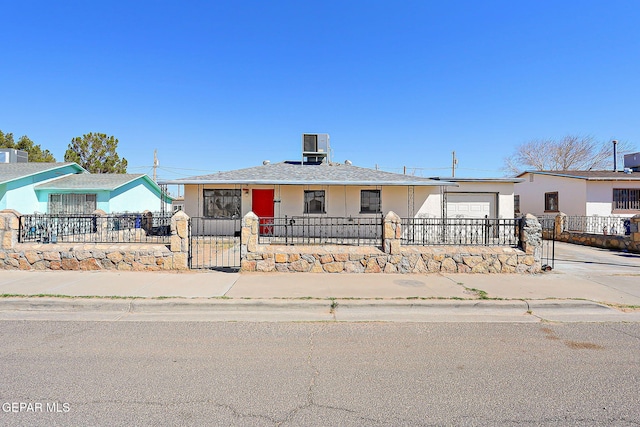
{"x": 214, "y": 243}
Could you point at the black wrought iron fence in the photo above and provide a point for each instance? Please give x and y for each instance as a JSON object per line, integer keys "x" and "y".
{"x": 460, "y": 231}
{"x": 144, "y": 227}
{"x": 214, "y": 242}
{"x": 304, "y": 230}
{"x": 607, "y": 225}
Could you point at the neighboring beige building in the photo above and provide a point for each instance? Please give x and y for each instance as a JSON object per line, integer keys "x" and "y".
{"x": 584, "y": 193}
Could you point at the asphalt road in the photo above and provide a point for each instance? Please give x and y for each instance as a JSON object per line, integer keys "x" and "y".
{"x": 347, "y": 374}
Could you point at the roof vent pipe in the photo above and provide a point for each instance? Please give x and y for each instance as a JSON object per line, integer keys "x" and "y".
{"x": 615, "y": 156}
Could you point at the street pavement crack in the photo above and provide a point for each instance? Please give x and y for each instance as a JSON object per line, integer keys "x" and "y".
{"x": 312, "y": 381}
{"x": 624, "y": 332}
{"x": 224, "y": 294}
{"x": 129, "y": 311}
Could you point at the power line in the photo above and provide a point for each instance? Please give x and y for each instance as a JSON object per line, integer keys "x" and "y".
{"x": 171, "y": 167}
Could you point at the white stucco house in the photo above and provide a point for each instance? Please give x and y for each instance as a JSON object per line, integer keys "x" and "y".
{"x": 316, "y": 187}
{"x": 580, "y": 193}
{"x": 296, "y": 188}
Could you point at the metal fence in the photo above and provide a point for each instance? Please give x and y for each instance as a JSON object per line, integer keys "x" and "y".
{"x": 607, "y": 225}
{"x": 305, "y": 230}
{"x": 145, "y": 227}
{"x": 214, "y": 243}
{"x": 547, "y": 221}
{"x": 461, "y": 231}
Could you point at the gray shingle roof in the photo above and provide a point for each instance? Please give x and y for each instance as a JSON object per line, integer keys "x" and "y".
{"x": 94, "y": 181}
{"x": 591, "y": 175}
{"x": 294, "y": 173}
{"x": 13, "y": 171}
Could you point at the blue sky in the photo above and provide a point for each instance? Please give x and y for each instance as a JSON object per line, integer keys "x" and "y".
{"x": 220, "y": 85}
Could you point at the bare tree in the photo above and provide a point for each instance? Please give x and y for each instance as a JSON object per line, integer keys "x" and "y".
{"x": 569, "y": 153}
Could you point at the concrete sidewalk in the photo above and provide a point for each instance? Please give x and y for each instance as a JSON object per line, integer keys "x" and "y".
{"x": 610, "y": 289}
{"x": 211, "y": 295}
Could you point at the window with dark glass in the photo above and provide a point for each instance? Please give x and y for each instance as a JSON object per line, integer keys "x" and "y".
{"x": 72, "y": 203}
{"x": 221, "y": 203}
{"x": 551, "y": 201}
{"x": 626, "y": 199}
{"x": 314, "y": 201}
{"x": 516, "y": 203}
{"x": 370, "y": 201}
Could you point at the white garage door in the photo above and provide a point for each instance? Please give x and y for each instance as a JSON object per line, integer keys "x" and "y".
{"x": 471, "y": 205}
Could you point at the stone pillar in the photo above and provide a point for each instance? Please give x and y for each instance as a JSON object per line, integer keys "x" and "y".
{"x": 102, "y": 223}
{"x": 180, "y": 240}
{"x": 9, "y": 228}
{"x": 635, "y": 229}
{"x": 249, "y": 240}
{"x": 560, "y": 223}
{"x": 531, "y": 236}
{"x": 391, "y": 233}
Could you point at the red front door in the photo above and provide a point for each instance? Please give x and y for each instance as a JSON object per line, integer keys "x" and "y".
{"x": 262, "y": 205}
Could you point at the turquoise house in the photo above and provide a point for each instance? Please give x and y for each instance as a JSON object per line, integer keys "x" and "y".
{"x": 67, "y": 188}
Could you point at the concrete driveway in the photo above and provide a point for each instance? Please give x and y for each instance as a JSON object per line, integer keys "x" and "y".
{"x": 588, "y": 261}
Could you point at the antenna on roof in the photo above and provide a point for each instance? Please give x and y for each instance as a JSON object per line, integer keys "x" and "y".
{"x": 454, "y": 163}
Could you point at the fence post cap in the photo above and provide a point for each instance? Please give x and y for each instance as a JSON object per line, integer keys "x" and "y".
{"x": 11, "y": 211}
{"x": 180, "y": 215}
{"x": 392, "y": 216}
{"x": 250, "y": 215}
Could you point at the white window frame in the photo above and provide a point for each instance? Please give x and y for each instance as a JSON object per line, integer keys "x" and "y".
{"x": 365, "y": 208}
{"x": 221, "y": 203}
{"x": 72, "y": 203}
{"x": 317, "y": 196}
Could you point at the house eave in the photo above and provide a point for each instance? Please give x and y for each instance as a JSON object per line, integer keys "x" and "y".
{"x": 79, "y": 169}
{"x": 637, "y": 179}
{"x": 482, "y": 180}
{"x": 290, "y": 182}
{"x": 621, "y": 177}
{"x": 51, "y": 187}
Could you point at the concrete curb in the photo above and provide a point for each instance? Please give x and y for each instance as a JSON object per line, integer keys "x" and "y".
{"x": 165, "y": 305}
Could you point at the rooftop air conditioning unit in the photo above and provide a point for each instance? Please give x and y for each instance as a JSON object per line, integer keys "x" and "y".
{"x": 11, "y": 155}
{"x": 632, "y": 161}
{"x": 315, "y": 147}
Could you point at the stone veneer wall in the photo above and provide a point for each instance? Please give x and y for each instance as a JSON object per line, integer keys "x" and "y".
{"x": 393, "y": 257}
{"x": 92, "y": 256}
{"x": 629, "y": 243}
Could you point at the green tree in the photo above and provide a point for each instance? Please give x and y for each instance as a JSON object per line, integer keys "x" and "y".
{"x": 36, "y": 153}
{"x": 96, "y": 152}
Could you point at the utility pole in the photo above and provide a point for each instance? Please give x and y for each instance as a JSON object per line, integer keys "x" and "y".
{"x": 155, "y": 165}
{"x": 454, "y": 163}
